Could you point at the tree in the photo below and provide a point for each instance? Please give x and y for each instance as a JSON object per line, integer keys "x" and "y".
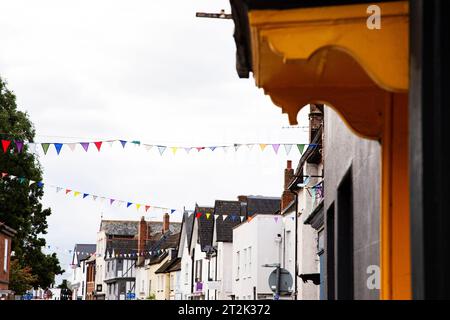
{"x": 21, "y": 279}
{"x": 20, "y": 206}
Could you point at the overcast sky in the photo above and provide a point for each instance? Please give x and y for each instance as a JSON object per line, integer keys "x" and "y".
{"x": 138, "y": 70}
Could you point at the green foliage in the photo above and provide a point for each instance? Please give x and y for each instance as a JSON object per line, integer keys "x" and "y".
{"x": 20, "y": 206}
{"x": 21, "y": 279}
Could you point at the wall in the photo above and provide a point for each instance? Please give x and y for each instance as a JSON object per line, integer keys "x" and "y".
{"x": 4, "y": 275}
{"x": 224, "y": 270}
{"x": 344, "y": 150}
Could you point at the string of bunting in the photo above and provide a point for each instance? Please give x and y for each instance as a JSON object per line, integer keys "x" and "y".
{"x": 85, "y": 195}
{"x": 18, "y": 146}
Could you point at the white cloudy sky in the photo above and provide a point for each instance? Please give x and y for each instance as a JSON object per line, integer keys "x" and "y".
{"x": 138, "y": 70}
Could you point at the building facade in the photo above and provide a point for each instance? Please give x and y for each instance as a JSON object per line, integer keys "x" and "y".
{"x": 6, "y": 235}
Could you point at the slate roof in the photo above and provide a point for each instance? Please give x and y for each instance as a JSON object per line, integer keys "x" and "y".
{"x": 205, "y": 226}
{"x": 83, "y": 251}
{"x": 130, "y": 228}
{"x": 224, "y": 227}
{"x": 262, "y": 205}
{"x": 170, "y": 265}
{"x": 157, "y": 258}
{"x": 225, "y": 207}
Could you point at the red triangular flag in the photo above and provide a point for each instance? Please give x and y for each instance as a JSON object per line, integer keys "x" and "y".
{"x": 199, "y": 214}
{"x": 5, "y": 145}
{"x": 147, "y": 207}
{"x": 98, "y": 144}
{"x": 4, "y": 174}
{"x": 68, "y": 190}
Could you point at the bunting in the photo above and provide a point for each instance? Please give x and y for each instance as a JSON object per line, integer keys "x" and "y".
{"x": 31, "y": 146}
{"x": 86, "y": 195}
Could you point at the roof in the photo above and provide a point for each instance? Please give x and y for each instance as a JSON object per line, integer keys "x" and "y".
{"x": 262, "y": 205}
{"x": 170, "y": 265}
{"x": 83, "y": 251}
{"x": 205, "y": 226}
{"x": 157, "y": 258}
{"x": 10, "y": 232}
{"x": 224, "y": 227}
{"x": 130, "y": 228}
{"x": 226, "y": 207}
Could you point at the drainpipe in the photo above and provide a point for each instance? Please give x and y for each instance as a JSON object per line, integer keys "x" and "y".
{"x": 215, "y": 278}
{"x": 192, "y": 273}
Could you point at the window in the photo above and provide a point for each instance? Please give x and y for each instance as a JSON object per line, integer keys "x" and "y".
{"x": 238, "y": 264}
{"x": 5, "y": 257}
{"x": 149, "y": 286}
{"x": 244, "y": 258}
{"x": 186, "y": 274}
{"x": 82, "y": 288}
{"x": 107, "y": 267}
{"x": 198, "y": 270}
{"x": 249, "y": 252}
{"x": 171, "y": 282}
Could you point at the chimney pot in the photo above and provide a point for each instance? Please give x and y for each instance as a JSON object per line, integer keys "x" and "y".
{"x": 289, "y": 164}
{"x": 166, "y": 222}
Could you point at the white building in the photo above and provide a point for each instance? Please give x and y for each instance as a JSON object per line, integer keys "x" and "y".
{"x": 184, "y": 253}
{"x": 256, "y": 242}
{"x": 78, "y": 280}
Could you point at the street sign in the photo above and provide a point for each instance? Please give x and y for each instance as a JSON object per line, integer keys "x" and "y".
{"x": 280, "y": 279}
{"x": 131, "y": 295}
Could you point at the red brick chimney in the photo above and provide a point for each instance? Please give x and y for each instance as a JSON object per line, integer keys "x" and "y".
{"x": 287, "y": 196}
{"x": 142, "y": 237}
{"x": 166, "y": 222}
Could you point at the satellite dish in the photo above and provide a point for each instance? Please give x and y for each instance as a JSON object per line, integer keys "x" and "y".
{"x": 286, "y": 281}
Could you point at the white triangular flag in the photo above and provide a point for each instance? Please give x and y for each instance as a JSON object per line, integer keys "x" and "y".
{"x": 288, "y": 148}
{"x": 72, "y": 146}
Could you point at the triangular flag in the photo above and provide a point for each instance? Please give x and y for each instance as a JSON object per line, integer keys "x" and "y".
{"x": 5, "y": 145}
{"x": 249, "y": 218}
{"x": 250, "y": 146}
{"x": 288, "y": 148}
{"x": 58, "y": 147}
{"x": 236, "y": 147}
{"x": 161, "y": 149}
{"x": 233, "y": 217}
{"x": 98, "y": 144}
{"x": 32, "y": 147}
{"x": 262, "y": 146}
{"x": 111, "y": 201}
{"x": 68, "y": 191}
{"x": 45, "y": 147}
{"x": 199, "y": 214}
{"x": 148, "y": 147}
{"x": 187, "y": 149}
{"x": 21, "y": 180}
{"x": 76, "y": 193}
{"x": 85, "y": 145}
{"x": 212, "y": 148}
{"x": 31, "y": 182}
{"x": 123, "y": 142}
{"x": 72, "y": 146}
{"x": 276, "y": 147}
{"x": 138, "y": 205}
{"x": 19, "y": 145}
{"x": 275, "y": 218}
{"x": 199, "y": 148}
{"x": 136, "y": 142}
{"x": 146, "y": 208}
{"x": 85, "y": 195}
{"x": 94, "y": 197}
{"x": 216, "y": 216}
{"x": 129, "y": 204}
{"x": 292, "y": 218}
{"x": 208, "y": 215}
{"x": 301, "y": 147}
{"x": 40, "y": 184}
{"x": 58, "y": 189}
{"x": 4, "y": 174}
{"x": 172, "y": 210}
{"x": 110, "y": 143}
{"x": 174, "y": 149}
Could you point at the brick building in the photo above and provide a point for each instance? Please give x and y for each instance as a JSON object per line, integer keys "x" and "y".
{"x": 6, "y": 234}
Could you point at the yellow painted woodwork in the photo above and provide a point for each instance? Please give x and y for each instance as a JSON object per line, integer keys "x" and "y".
{"x": 328, "y": 55}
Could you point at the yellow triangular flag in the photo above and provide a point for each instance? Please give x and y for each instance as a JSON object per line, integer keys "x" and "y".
{"x": 208, "y": 215}
{"x": 76, "y": 193}
{"x": 138, "y": 206}
{"x": 262, "y": 146}
{"x": 174, "y": 149}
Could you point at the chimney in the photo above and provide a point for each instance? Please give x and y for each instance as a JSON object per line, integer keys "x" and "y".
{"x": 287, "y": 196}
{"x": 166, "y": 222}
{"x": 142, "y": 237}
{"x": 242, "y": 199}
{"x": 315, "y": 119}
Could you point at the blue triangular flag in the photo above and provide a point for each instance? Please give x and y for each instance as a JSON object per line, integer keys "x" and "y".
{"x": 123, "y": 142}
{"x": 40, "y": 184}
{"x": 58, "y": 147}
{"x": 172, "y": 210}
{"x": 212, "y": 148}
{"x": 161, "y": 149}
{"x": 129, "y": 204}
{"x": 85, "y": 195}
